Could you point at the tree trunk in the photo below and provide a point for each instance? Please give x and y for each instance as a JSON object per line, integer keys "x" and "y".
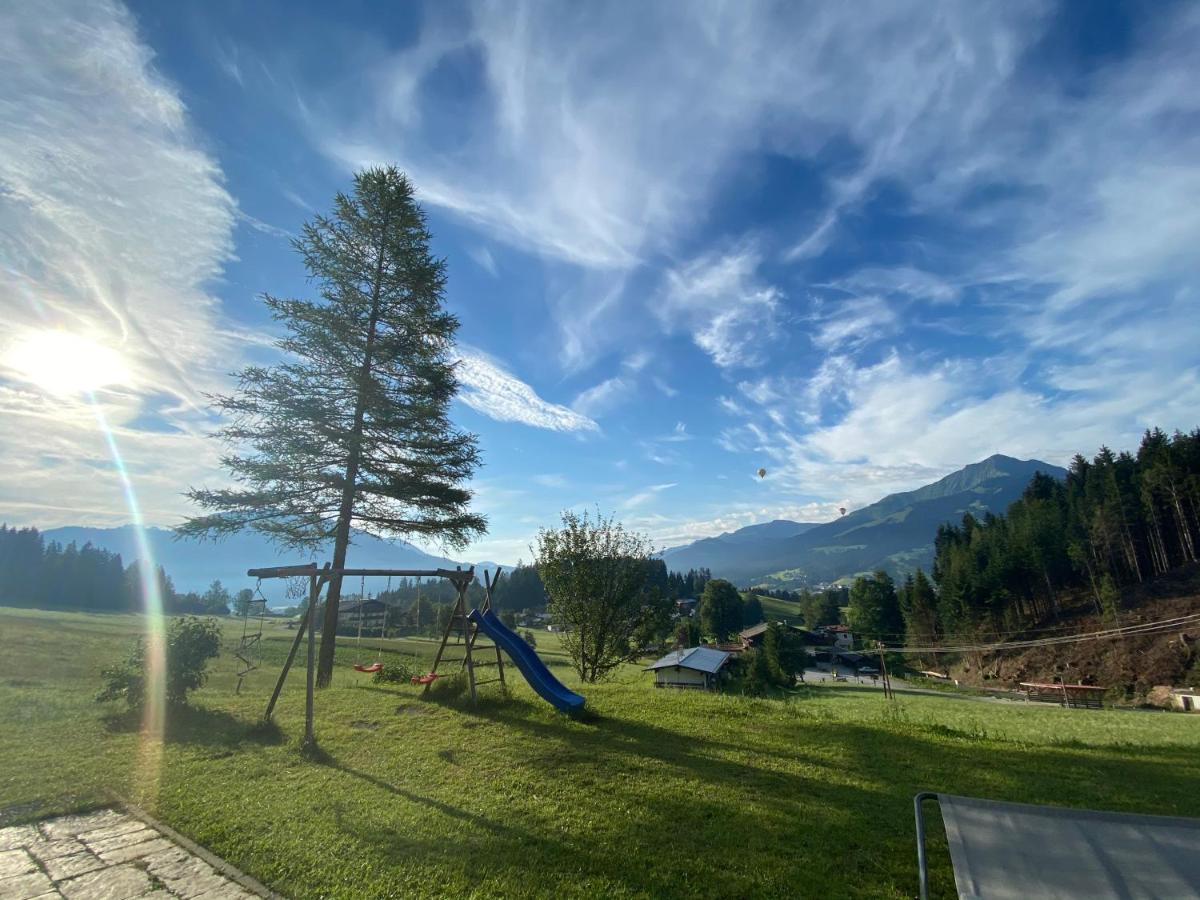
{"x": 341, "y": 536}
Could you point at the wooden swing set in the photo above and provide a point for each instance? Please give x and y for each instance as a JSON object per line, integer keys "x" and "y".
{"x": 464, "y": 631}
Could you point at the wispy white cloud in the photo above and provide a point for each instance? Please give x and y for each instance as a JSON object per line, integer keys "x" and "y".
{"x": 489, "y": 389}
{"x": 730, "y": 313}
{"x": 483, "y": 256}
{"x": 601, "y": 398}
{"x": 664, "y": 387}
{"x": 112, "y": 220}
{"x": 645, "y": 496}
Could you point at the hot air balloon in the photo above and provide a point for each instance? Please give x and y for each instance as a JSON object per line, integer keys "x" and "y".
{"x": 842, "y": 510}
{"x": 762, "y": 473}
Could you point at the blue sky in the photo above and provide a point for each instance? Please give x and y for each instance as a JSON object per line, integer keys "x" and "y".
{"x": 860, "y": 245}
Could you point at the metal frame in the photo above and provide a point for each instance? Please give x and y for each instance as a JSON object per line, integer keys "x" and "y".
{"x": 922, "y": 859}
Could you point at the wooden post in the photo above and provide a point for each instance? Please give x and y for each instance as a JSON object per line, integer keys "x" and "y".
{"x": 468, "y": 638}
{"x": 287, "y": 664}
{"x": 488, "y": 584}
{"x": 437, "y": 659}
{"x": 309, "y": 674}
{"x": 887, "y": 681}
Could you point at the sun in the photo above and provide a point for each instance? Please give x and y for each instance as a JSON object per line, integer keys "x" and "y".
{"x": 63, "y": 362}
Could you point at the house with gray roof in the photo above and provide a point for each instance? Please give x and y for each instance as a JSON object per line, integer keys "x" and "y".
{"x": 695, "y": 667}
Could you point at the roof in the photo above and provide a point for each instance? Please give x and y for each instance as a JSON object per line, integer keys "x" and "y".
{"x": 838, "y": 629}
{"x": 755, "y": 630}
{"x": 702, "y": 659}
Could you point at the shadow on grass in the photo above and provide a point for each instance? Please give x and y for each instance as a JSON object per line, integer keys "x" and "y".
{"x": 201, "y": 726}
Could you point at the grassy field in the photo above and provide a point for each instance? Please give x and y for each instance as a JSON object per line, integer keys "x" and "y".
{"x": 654, "y": 794}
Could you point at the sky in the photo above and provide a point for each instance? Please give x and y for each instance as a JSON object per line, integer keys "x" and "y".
{"x": 858, "y": 245}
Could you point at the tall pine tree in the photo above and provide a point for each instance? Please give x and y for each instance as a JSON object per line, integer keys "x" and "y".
{"x": 351, "y": 429}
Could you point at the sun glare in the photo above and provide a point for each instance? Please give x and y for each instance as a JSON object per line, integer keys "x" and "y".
{"x": 63, "y": 362}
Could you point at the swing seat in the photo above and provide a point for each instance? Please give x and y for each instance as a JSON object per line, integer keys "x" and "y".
{"x": 373, "y": 667}
{"x": 425, "y": 679}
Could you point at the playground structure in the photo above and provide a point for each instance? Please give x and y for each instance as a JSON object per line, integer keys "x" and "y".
{"x": 465, "y": 626}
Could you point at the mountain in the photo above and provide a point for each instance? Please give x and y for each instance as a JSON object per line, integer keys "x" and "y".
{"x": 193, "y": 566}
{"x": 726, "y": 550}
{"x": 895, "y": 534}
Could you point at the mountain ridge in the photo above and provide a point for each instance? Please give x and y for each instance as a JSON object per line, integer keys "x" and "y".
{"x": 895, "y": 533}
{"x": 193, "y": 565}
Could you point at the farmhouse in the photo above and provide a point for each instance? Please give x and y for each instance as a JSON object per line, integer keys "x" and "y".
{"x": 753, "y": 636}
{"x": 695, "y": 667}
{"x": 843, "y": 638}
{"x": 369, "y": 613}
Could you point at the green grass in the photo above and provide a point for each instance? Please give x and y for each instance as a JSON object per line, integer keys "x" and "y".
{"x": 656, "y": 793}
{"x": 776, "y": 610}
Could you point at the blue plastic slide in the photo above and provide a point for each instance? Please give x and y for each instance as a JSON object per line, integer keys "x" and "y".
{"x": 539, "y": 677}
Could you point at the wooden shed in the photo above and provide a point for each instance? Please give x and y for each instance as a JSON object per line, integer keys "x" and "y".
{"x": 695, "y": 667}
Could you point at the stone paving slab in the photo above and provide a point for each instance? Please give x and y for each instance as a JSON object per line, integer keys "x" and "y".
{"x": 112, "y": 855}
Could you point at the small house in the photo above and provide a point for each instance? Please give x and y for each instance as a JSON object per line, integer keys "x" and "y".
{"x": 695, "y": 667}
{"x": 753, "y": 636}
{"x": 843, "y": 638}
{"x": 685, "y": 607}
{"x": 1185, "y": 699}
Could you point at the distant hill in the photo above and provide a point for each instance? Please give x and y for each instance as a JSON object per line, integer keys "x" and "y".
{"x": 728, "y": 550}
{"x": 895, "y": 534}
{"x": 193, "y": 566}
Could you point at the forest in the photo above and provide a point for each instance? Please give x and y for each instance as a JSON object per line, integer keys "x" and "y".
{"x": 1116, "y": 520}
{"x": 47, "y": 575}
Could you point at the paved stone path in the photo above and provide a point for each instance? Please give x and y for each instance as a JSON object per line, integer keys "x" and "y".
{"x": 106, "y": 855}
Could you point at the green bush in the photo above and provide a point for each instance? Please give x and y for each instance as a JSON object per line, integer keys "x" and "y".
{"x": 191, "y": 643}
{"x": 393, "y": 673}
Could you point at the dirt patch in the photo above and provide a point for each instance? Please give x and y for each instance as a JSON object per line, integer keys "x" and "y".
{"x": 413, "y": 709}
{"x": 363, "y": 725}
{"x": 1131, "y": 665}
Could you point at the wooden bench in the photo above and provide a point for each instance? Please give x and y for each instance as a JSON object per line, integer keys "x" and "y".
{"x": 1076, "y": 696}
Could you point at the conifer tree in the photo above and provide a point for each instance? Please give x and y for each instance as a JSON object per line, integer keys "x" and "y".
{"x": 351, "y": 429}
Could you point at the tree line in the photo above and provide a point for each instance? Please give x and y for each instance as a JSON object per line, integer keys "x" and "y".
{"x": 45, "y": 574}
{"x": 1116, "y": 520}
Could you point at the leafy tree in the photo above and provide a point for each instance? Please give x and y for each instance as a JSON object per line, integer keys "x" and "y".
{"x": 759, "y": 678}
{"x": 918, "y": 606}
{"x": 353, "y": 428}
{"x": 720, "y": 609}
{"x": 242, "y": 600}
{"x": 509, "y": 618}
{"x": 191, "y": 643}
{"x": 752, "y": 611}
{"x": 874, "y": 610}
{"x": 687, "y": 632}
{"x": 527, "y": 635}
{"x": 595, "y": 576}
{"x": 785, "y": 654}
{"x": 821, "y": 608}
{"x": 216, "y": 600}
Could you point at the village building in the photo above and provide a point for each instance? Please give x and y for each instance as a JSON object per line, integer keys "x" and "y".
{"x": 371, "y": 614}
{"x": 695, "y": 667}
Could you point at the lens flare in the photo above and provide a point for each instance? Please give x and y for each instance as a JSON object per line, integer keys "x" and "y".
{"x": 63, "y": 362}
{"x": 150, "y": 745}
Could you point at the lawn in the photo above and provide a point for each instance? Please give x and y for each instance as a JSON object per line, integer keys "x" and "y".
{"x": 655, "y": 794}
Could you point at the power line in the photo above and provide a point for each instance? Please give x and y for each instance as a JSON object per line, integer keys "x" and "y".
{"x": 1107, "y": 634}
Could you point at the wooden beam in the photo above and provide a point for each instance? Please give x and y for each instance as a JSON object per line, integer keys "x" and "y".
{"x": 283, "y": 571}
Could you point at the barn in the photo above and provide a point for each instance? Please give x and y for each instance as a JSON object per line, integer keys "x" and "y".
{"x": 695, "y": 667}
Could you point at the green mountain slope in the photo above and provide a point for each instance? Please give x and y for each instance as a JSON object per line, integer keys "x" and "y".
{"x": 895, "y": 533}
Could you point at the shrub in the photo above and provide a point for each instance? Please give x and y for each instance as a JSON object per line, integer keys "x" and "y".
{"x": 393, "y": 673}
{"x": 529, "y": 638}
{"x": 191, "y": 643}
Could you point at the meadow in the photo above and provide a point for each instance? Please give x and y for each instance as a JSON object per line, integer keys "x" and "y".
{"x": 652, "y": 794}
